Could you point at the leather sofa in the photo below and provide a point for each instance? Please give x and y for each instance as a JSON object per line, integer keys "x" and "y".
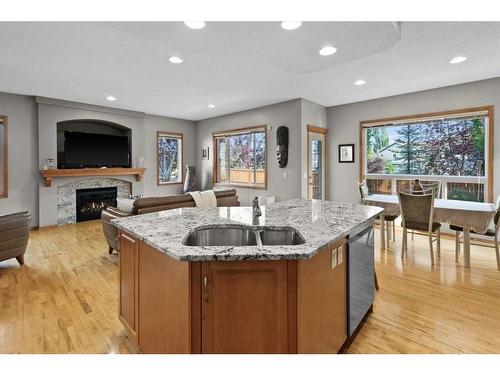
{"x": 225, "y": 198}
{"x": 14, "y": 236}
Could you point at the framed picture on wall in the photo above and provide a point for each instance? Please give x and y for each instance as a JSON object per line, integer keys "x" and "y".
{"x": 205, "y": 153}
{"x": 346, "y": 153}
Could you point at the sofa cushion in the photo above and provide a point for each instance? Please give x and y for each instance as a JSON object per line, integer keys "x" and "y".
{"x": 125, "y": 204}
{"x": 143, "y": 205}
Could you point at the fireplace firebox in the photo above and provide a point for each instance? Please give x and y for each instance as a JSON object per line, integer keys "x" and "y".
{"x": 90, "y": 202}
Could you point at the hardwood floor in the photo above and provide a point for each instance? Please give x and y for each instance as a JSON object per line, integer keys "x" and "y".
{"x": 64, "y": 299}
{"x": 442, "y": 309}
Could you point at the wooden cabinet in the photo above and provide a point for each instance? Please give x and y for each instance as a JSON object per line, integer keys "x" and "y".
{"x": 164, "y": 309}
{"x": 244, "y": 307}
{"x": 285, "y": 306}
{"x": 322, "y": 301}
{"x": 129, "y": 285}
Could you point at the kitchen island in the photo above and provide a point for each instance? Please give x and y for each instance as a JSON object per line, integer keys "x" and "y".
{"x": 220, "y": 280}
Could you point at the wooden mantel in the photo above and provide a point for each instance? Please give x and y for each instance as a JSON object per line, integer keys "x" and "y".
{"x": 48, "y": 174}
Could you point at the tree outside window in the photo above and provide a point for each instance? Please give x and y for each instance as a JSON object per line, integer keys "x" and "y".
{"x": 169, "y": 158}
{"x": 449, "y": 147}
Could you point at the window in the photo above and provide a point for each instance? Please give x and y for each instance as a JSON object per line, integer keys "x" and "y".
{"x": 240, "y": 157}
{"x": 169, "y": 158}
{"x": 453, "y": 148}
{"x": 3, "y": 157}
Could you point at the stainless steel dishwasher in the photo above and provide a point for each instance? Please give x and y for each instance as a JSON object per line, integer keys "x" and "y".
{"x": 360, "y": 284}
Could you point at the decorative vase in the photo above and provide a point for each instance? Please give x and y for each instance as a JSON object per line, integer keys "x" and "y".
{"x": 190, "y": 180}
{"x": 50, "y": 163}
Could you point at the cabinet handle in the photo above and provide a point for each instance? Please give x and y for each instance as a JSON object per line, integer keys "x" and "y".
{"x": 205, "y": 281}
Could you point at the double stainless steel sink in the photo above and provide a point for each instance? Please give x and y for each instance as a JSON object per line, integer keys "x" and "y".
{"x": 237, "y": 236}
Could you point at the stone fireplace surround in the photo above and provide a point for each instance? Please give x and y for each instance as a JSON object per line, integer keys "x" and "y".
{"x": 66, "y": 195}
{"x": 57, "y": 203}
{"x": 144, "y": 127}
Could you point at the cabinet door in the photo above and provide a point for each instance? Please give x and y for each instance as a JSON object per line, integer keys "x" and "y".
{"x": 244, "y": 307}
{"x": 322, "y": 301}
{"x": 129, "y": 280}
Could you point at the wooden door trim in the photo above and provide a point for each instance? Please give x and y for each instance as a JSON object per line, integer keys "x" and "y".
{"x": 317, "y": 129}
{"x": 324, "y": 131}
{"x": 5, "y": 192}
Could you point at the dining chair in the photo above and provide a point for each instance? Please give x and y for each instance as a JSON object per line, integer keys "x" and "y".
{"x": 389, "y": 219}
{"x": 417, "y": 212}
{"x": 489, "y": 234}
{"x": 435, "y": 185}
{"x": 363, "y": 190}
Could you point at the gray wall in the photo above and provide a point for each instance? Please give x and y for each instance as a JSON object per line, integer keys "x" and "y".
{"x": 32, "y": 139}
{"x": 144, "y": 128}
{"x": 23, "y": 155}
{"x": 343, "y": 125}
{"x": 50, "y": 112}
{"x": 28, "y": 151}
{"x": 287, "y": 114}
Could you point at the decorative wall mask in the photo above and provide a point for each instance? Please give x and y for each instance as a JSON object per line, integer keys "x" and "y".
{"x": 282, "y": 146}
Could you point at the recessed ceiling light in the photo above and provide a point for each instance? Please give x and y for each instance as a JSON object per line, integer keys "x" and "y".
{"x": 111, "y": 98}
{"x": 458, "y": 59}
{"x": 360, "y": 82}
{"x": 211, "y": 106}
{"x": 195, "y": 24}
{"x": 327, "y": 51}
{"x": 175, "y": 59}
{"x": 291, "y": 25}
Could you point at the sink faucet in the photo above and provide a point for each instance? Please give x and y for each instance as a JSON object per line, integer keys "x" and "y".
{"x": 256, "y": 212}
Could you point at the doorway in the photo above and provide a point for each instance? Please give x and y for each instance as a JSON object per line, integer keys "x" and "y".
{"x": 317, "y": 162}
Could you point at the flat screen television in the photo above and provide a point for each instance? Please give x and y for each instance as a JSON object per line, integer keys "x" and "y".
{"x": 91, "y": 150}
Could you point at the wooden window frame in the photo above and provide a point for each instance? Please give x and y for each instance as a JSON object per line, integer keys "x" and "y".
{"x": 5, "y": 192}
{"x": 215, "y": 156}
{"x": 180, "y": 136}
{"x": 490, "y": 109}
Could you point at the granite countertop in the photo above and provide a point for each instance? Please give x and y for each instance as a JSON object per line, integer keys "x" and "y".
{"x": 320, "y": 223}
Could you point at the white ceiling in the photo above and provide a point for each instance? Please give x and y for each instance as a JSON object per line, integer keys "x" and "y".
{"x": 239, "y": 65}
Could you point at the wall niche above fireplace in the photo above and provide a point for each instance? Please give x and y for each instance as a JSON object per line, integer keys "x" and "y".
{"x": 93, "y": 144}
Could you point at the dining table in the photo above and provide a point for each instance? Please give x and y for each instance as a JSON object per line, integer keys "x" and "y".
{"x": 471, "y": 216}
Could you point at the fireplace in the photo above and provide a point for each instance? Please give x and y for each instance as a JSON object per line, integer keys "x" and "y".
{"x": 90, "y": 202}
